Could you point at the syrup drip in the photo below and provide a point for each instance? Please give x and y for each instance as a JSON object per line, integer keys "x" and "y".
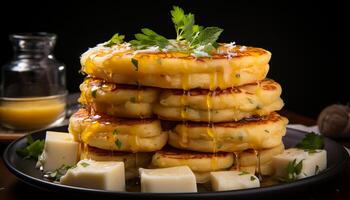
{"x": 258, "y": 165}
{"x": 237, "y": 163}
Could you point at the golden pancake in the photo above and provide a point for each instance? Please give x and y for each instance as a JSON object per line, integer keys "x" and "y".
{"x": 197, "y": 161}
{"x": 246, "y": 97}
{"x": 176, "y": 70}
{"x": 247, "y": 161}
{"x": 249, "y": 157}
{"x": 105, "y": 132}
{"x": 253, "y": 133}
{"x": 132, "y": 161}
{"x": 231, "y": 104}
{"x": 212, "y": 115}
{"x": 266, "y": 169}
{"x": 118, "y": 100}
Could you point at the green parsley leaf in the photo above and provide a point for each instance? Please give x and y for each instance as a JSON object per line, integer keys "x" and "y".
{"x": 184, "y": 24}
{"x": 135, "y": 63}
{"x": 243, "y": 173}
{"x": 252, "y": 178}
{"x": 116, "y": 131}
{"x": 118, "y": 143}
{"x": 293, "y": 169}
{"x": 33, "y": 149}
{"x": 208, "y": 36}
{"x": 84, "y": 164}
{"x": 311, "y": 141}
{"x": 116, "y": 39}
{"x": 149, "y": 38}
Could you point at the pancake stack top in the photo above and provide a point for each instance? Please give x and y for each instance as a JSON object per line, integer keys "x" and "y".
{"x": 214, "y": 100}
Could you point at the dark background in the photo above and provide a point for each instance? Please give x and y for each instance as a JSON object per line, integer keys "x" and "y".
{"x": 308, "y": 40}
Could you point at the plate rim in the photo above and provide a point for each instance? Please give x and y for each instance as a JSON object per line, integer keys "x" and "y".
{"x": 40, "y": 183}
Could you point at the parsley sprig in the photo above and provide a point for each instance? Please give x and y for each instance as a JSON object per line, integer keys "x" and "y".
{"x": 190, "y": 37}
{"x": 311, "y": 142}
{"x": 32, "y": 150}
{"x": 116, "y": 39}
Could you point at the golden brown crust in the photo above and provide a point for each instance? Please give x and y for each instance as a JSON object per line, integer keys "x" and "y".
{"x": 169, "y": 152}
{"x": 84, "y": 115}
{"x": 255, "y": 120}
{"x": 267, "y": 84}
{"x": 249, "y": 51}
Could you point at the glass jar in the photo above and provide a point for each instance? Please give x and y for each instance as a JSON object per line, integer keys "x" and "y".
{"x": 33, "y": 84}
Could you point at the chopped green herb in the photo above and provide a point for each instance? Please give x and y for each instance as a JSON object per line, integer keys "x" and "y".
{"x": 243, "y": 173}
{"x": 94, "y": 93}
{"x": 252, "y": 178}
{"x": 116, "y": 39}
{"x": 250, "y": 100}
{"x": 133, "y": 99}
{"x": 58, "y": 173}
{"x": 294, "y": 169}
{"x": 219, "y": 146}
{"x": 267, "y": 131}
{"x": 240, "y": 138}
{"x": 116, "y": 131}
{"x": 84, "y": 164}
{"x": 317, "y": 169}
{"x": 118, "y": 143}
{"x": 257, "y": 107}
{"x": 238, "y": 75}
{"x": 311, "y": 141}
{"x": 135, "y": 63}
{"x": 33, "y": 149}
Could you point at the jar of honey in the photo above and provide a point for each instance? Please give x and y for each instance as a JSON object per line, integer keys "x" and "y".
{"x": 33, "y": 84}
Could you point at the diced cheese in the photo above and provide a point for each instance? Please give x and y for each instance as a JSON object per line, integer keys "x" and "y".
{"x": 108, "y": 175}
{"x": 168, "y": 180}
{"x": 312, "y": 162}
{"x": 60, "y": 149}
{"x": 233, "y": 180}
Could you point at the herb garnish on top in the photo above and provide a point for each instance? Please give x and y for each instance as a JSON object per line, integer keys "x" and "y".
{"x": 190, "y": 38}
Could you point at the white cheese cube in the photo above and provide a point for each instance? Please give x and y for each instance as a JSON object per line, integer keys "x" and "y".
{"x": 312, "y": 162}
{"x": 233, "y": 180}
{"x": 60, "y": 149}
{"x": 168, "y": 180}
{"x": 108, "y": 175}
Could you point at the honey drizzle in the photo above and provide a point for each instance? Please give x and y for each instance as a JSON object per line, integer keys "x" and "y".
{"x": 258, "y": 165}
{"x": 139, "y": 99}
{"x": 183, "y": 101}
{"x": 237, "y": 162}
{"x": 211, "y": 127}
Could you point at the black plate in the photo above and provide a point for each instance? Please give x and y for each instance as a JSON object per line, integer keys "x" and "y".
{"x": 25, "y": 170}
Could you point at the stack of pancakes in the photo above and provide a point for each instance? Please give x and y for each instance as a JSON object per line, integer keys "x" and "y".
{"x": 215, "y": 113}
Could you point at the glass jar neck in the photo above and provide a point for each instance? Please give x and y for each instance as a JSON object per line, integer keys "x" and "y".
{"x": 33, "y": 45}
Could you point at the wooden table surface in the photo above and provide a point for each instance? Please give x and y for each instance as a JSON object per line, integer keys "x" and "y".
{"x": 337, "y": 188}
